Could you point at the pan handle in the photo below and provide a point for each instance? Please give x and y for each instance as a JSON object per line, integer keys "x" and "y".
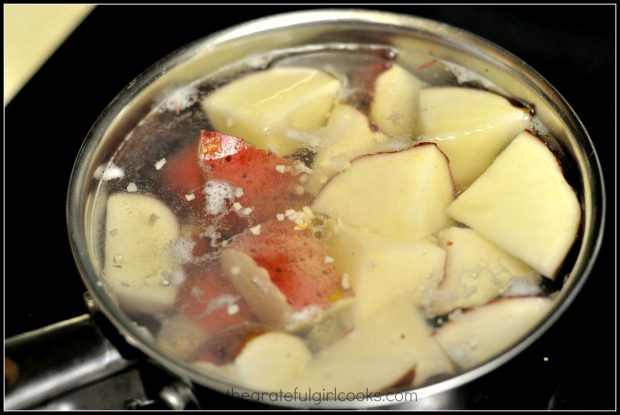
{"x": 44, "y": 363}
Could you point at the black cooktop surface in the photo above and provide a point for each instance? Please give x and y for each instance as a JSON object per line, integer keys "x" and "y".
{"x": 572, "y": 366}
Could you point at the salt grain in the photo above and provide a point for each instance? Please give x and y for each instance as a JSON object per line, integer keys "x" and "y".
{"x": 190, "y": 197}
{"x": 238, "y": 192}
{"x": 160, "y": 164}
{"x": 237, "y": 206}
{"x": 132, "y": 187}
{"x": 109, "y": 172}
{"x": 280, "y": 216}
{"x": 280, "y": 168}
{"x": 232, "y": 309}
{"x": 224, "y": 300}
{"x": 328, "y": 260}
{"x": 346, "y": 284}
{"x": 255, "y": 230}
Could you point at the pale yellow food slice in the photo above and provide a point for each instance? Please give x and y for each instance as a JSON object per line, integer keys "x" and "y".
{"x": 523, "y": 204}
{"x": 268, "y": 361}
{"x": 402, "y": 194}
{"x": 349, "y": 374}
{"x": 470, "y": 126}
{"x": 272, "y": 109}
{"x": 477, "y": 271}
{"x": 394, "y": 108}
{"x": 139, "y": 263}
{"x": 486, "y": 331}
{"x": 398, "y": 332}
{"x": 383, "y": 269}
{"x": 346, "y": 136}
{"x": 253, "y": 282}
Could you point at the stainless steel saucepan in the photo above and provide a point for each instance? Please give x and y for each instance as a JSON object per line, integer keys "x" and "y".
{"x": 399, "y": 33}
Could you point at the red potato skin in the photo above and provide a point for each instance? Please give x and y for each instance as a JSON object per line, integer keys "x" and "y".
{"x": 182, "y": 175}
{"x": 266, "y": 190}
{"x": 295, "y": 261}
{"x": 226, "y": 158}
{"x": 203, "y": 285}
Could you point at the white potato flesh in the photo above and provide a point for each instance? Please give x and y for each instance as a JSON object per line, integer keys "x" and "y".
{"x": 486, "y": 331}
{"x": 470, "y": 126}
{"x": 270, "y": 360}
{"x": 266, "y": 363}
{"x": 347, "y": 135}
{"x": 394, "y": 108}
{"x": 401, "y": 194}
{"x": 139, "y": 263}
{"x": 523, "y": 204}
{"x": 398, "y": 332}
{"x": 349, "y": 374}
{"x": 477, "y": 271}
{"x": 272, "y": 109}
{"x": 383, "y": 269}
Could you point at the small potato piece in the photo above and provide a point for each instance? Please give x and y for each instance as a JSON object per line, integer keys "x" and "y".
{"x": 383, "y": 269}
{"x": 477, "y": 271}
{"x": 266, "y": 108}
{"x": 402, "y": 194}
{"x": 483, "y": 332}
{"x": 524, "y": 204}
{"x": 139, "y": 262}
{"x": 347, "y": 136}
{"x": 270, "y": 360}
{"x": 394, "y": 108}
{"x": 470, "y": 126}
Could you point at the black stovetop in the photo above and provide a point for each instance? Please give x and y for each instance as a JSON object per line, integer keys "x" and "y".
{"x": 572, "y": 366}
